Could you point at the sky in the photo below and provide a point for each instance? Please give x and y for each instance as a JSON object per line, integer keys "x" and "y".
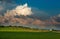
{"x": 41, "y": 9}
{"x": 52, "y": 7}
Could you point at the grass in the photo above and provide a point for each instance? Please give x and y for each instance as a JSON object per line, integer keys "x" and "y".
{"x": 26, "y": 33}
{"x": 19, "y": 29}
{"x": 29, "y": 35}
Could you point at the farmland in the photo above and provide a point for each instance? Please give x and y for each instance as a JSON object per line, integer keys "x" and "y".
{"x": 21, "y": 29}
{"x": 26, "y": 33}
{"x": 29, "y": 35}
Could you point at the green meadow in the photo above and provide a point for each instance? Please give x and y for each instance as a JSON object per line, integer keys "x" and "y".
{"x": 29, "y": 35}
{"x": 21, "y": 29}
{"x": 26, "y": 33}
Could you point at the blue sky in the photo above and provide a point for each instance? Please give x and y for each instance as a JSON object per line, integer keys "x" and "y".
{"x": 41, "y": 8}
{"x": 52, "y": 7}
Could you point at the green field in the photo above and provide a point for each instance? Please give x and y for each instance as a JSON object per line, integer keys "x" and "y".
{"x": 21, "y": 29}
{"x": 29, "y": 35}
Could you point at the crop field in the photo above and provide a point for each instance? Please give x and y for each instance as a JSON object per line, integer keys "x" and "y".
{"x": 23, "y": 33}
{"x": 21, "y": 29}
{"x": 29, "y": 35}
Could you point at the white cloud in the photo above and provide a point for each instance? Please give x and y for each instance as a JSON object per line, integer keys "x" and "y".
{"x": 23, "y": 10}
{"x": 59, "y": 15}
{"x": 1, "y": 8}
{"x": 20, "y": 10}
